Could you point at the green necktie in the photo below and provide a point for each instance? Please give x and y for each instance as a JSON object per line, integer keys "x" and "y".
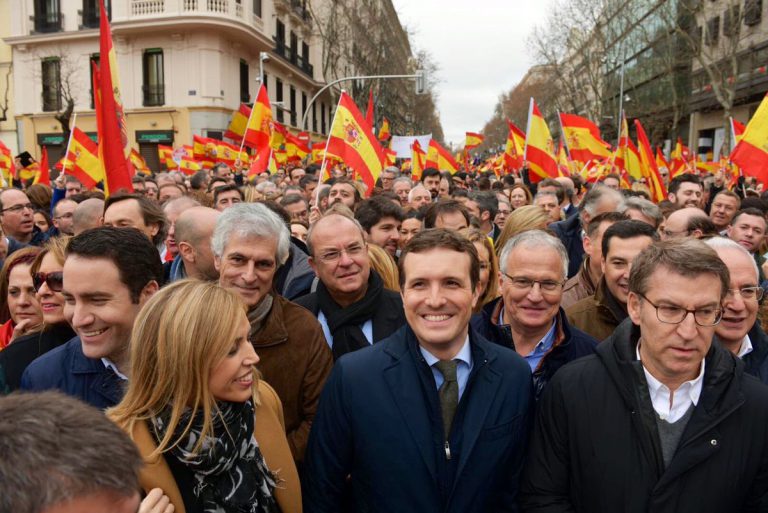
{"x": 449, "y": 393}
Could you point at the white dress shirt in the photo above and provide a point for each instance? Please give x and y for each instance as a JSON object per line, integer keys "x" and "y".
{"x": 745, "y": 348}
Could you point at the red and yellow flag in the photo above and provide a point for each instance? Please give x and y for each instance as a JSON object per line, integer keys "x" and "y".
{"x": 258, "y": 131}
{"x": 352, "y": 139}
{"x": 681, "y": 157}
{"x": 165, "y": 153}
{"x": 514, "y": 148}
{"x": 6, "y": 163}
{"x": 384, "y": 132}
{"x": 44, "y": 175}
{"x": 473, "y": 140}
{"x": 237, "y": 126}
{"x": 113, "y": 133}
{"x": 440, "y": 158}
{"x": 627, "y": 157}
{"x": 539, "y": 146}
{"x": 83, "y": 160}
{"x": 583, "y": 139}
{"x": 649, "y": 168}
{"x": 295, "y": 148}
{"x": 391, "y": 156}
{"x": 661, "y": 162}
{"x": 205, "y": 150}
{"x": 228, "y": 154}
{"x": 418, "y": 161}
{"x": 737, "y": 131}
{"x": 751, "y": 153}
{"x": 139, "y": 164}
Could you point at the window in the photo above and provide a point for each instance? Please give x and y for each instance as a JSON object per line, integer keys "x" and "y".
{"x": 713, "y": 31}
{"x": 51, "y": 84}
{"x": 279, "y": 99}
{"x": 292, "y": 96}
{"x": 322, "y": 118}
{"x": 294, "y": 48}
{"x": 257, "y": 8}
{"x": 753, "y": 12}
{"x": 245, "y": 95}
{"x": 93, "y": 60}
{"x": 154, "y": 81}
{"x": 280, "y": 33}
{"x": 305, "y": 53}
{"x": 91, "y": 12}
{"x": 303, "y": 106}
{"x": 314, "y": 117}
{"x": 47, "y": 16}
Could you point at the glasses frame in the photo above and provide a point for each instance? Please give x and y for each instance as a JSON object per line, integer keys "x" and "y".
{"x": 18, "y": 209}
{"x": 759, "y": 293}
{"x": 40, "y": 277}
{"x": 534, "y": 282}
{"x": 656, "y": 308}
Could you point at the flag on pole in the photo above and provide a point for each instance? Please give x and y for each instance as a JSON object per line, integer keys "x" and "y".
{"x": 681, "y": 156}
{"x": 582, "y": 137}
{"x": 661, "y": 162}
{"x": 83, "y": 161}
{"x": 139, "y": 164}
{"x": 514, "y": 148}
{"x": 539, "y": 146}
{"x": 418, "y": 161}
{"x": 6, "y": 163}
{"x": 44, "y": 175}
{"x": 473, "y": 140}
{"x": 384, "y": 132}
{"x": 737, "y": 130}
{"x": 258, "y": 131}
{"x": 113, "y": 136}
{"x": 440, "y": 158}
{"x": 165, "y": 154}
{"x": 237, "y": 126}
{"x": 751, "y": 153}
{"x": 627, "y": 157}
{"x": 390, "y": 155}
{"x": 351, "y": 138}
{"x": 649, "y": 168}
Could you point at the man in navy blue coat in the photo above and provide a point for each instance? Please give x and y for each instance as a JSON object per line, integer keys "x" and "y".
{"x": 433, "y": 418}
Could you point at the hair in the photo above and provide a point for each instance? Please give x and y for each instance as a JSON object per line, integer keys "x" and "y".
{"x": 628, "y": 229}
{"x": 415, "y": 187}
{"x": 385, "y": 266}
{"x": 212, "y": 183}
{"x": 71, "y": 179}
{"x": 198, "y": 180}
{"x": 226, "y": 188}
{"x": 726, "y": 243}
{"x": 730, "y": 194}
{"x": 675, "y": 256}
{"x": 55, "y": 448}
{"x": 23, "y": 256}
{"x": 57, "y": 247}
{"x": 307, "y": 179}
{"x": 559, "y": 189}
{"x": 403, "y": 179}
{"x": 534, "y": 239}
{"x": 439, "y": 238}
{"x": 137, "y": 260}
{"x": 541, "y": 194}
{"x": 40, "y": 196}
{"x": 676, "y": 182}
{"x": 252, "y": 220}
{"x": 749, "y": 211}
{"x": 645, "y": 207}
{"x": 355, "y": 187}
{"x": 216, "y": 167}
{"x": 605, "y": 217}
{"x": 291, "y": 199}
{"x": 703, "y": 224}
{"x": 525, "y": 189}
{"x": 45, "y": 215}
{"x": 595, "y": 196}
{"x": 180, "y": 204}
{"x": 371, "y": 211}
{"x": 442, "y": 207}
{"x": 527, "y": 217}
{"x": 486, "y": 202}
{"x": 184, "y": 331}
{"x": 475, "y": 236}
{"x": 331, "y": 213}
{"x": 151, "y": 212}
{"x": 430, "y": 172}
{"x": 752, "y": 202}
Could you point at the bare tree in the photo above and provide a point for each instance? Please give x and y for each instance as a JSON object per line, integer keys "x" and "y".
{"x": 64, "y": 89}
{"x": 5, "y": 105}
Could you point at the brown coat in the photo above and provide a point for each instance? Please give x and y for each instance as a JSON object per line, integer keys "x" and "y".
{"x": 269, "y": 431}
{"x": 597, "y": 315}
{"x": 296, "y": 361}
{"x": 578, "y": 287}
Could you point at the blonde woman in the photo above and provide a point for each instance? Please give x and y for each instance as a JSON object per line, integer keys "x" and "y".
{"x": 528, "y": 217}
{"x": 488, "y": 286}
{"x": 520, "y": 196}
{"x": 210, "y": 431}
{"x": 383, "y": 263}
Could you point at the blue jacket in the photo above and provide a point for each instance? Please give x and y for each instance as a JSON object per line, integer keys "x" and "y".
{"x": 68, "y": 370}
{"x": 756, "y": 362}
{"x": 572, "y": 343}
{"x": 379, "y": 421}
{"x": 569, "y": 233}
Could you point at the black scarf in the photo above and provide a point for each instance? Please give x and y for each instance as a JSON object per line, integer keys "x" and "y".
{"x": 230, "y": 472}
{"x": 344, "y": 323}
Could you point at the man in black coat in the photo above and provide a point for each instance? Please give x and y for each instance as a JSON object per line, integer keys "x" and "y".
{"x": 527, "y": 317}
{"x": 351, "y": 303}
{"x": 661, "y": 419}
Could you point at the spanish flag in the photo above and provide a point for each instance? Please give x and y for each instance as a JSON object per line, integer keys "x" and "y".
{"x": 258, "y": 131}
{"x": 514, "y": 148}
{"x": 751, "y": 153}
{"x": 737, "y": 131}
{"x": 473, "y": 140}
{"x": 440, "y": 158}
{"x": 539, "y": 147}
{"x": 384, "y": 133}
{"x": 626, "y": 157}
{"x": 391, "y": 156}
{"x": 44, "y": 175}
{"x": 295, "y": 148}
{"x": 83, "y": 160}
{"x": 648, "y": 162}
{"x": 165, "y": 153}
{"x": 189, "y": 166}
{"x": 418, "y": 161}
{"x": 661, "y": 162}
{"x": 229, "y": 153}
{"x": 205, "y": 150}
{"x": 6, "y": 163}
{"x": 583, "y": 139}
{"x": 681, "y": 156}
{"x": 139, "y": 164}
{"x": 351, "y": 138}
{"x": 236, "y": 129}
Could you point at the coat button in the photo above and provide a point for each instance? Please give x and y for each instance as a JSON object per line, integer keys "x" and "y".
{"x": 713, "y": 442}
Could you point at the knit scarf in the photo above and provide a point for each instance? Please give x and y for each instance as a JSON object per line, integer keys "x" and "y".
{"x": 344, "y": 323}
{"x": 257, "y": 315}
{"x": 230, "y": 473}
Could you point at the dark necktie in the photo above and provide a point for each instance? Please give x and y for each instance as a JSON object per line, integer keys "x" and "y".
{"x": 449, "y": 393}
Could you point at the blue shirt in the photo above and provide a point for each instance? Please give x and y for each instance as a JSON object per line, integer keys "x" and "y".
{"x": 545, "y": 344}
{"x": 367, "y": 328}
{"x": 463, "y": 366}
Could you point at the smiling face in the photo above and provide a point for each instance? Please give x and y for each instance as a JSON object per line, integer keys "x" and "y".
{"x": 51, "y": 302}
{"x": 747, "y": 230}
{"x": 688, "y": 195}
{"x": 386, "y": 233}
{"x": 247, "y": 266}
{"x": 232, "y": 379}
{"x": 739, "y": 314}
{"x": 408, "y": 229}
{"x": 723, "y": 209}
{"x": 518, "y": 198}
{"x": 438, "y": 299}
{"x": 618, "y": 263}
{"x": 342, "y": 193}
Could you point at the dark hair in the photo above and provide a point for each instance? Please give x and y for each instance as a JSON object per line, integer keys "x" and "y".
{"x": 675, "y": 256}
{"x": 676, "y": 182}
{"x": 23, "y": 256}
{"x": 412, "y": 213}
{"x": 135, "y": 257}
{"x": 337, "y": 181}
{"x": 72, "y": 179}
{"x": 445, "y": 206}
{"x": 749, "y": 211}
{"x": 46, "y": 215}
{"x": 55, "y": 448}
{"x": 435, "y": 238}
{"x": 281, "y": 212}
{"x": 138, "y": 179}
{"x": 752, "y": 202}
{"x": 307, "y": 179}
{"x": 605, "y": 217}
{"x": 559, "y": 189}
{"x": 291, "y": 199}
{"x": 611, "y": 175}
{"x": 198, "y": 180}
{"x": 430, "y": 172}
{"x": 628, "y": 229}
{"x": 216, "y": 167}
{"x": 486, "y": 202}
{"x": 371, "y": 211}
{"x": 703, "y": 224}
{"x": 290, "y": 173}
{"x": 226, "y": 188}
{"x": 151, "y": 212}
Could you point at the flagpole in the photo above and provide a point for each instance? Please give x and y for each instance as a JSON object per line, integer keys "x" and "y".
{"x": 247, "y": 124}
{"x": 69, "y": 142}
{"x": 527, "y": 131}
{"x": 562, "y": 134}
{"x": 328, "y": 140}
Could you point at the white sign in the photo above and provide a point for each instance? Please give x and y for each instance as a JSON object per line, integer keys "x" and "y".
{"x": 401, "y": 144}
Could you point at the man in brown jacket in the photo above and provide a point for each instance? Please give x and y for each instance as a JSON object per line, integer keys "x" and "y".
{"x": 598, "y": 315}
{"x": 249, "y": 243}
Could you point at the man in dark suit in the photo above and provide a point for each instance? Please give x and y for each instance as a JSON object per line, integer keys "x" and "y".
{"x": 351, "y": 303}
{"x": 435, "y": 417}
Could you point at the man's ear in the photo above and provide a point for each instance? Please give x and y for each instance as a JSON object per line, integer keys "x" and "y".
{"x": 148, "y": 291}
{"x": 187, "y": 251}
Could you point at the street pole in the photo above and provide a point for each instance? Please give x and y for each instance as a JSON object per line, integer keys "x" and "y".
{"x": 263, "y": 56}
{"x": 621, "y": 100}
{"x": 418, "y": 75}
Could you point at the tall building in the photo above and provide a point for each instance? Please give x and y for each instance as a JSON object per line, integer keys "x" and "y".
{"x": 184, "y": 66}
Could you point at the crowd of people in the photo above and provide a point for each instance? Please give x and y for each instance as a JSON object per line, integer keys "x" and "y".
{"x": 462, "y": 343}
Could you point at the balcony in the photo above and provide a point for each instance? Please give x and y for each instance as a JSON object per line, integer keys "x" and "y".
{"x": 153, "y": 8}
{"x": 47, "y": 22}
{"x": 293, "y": 57}
{"x": 295, "y": 8}
{"x": 154, "y": 95}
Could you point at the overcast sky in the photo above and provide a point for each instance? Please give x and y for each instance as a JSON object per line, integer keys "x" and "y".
{"x": 480, "y": 48}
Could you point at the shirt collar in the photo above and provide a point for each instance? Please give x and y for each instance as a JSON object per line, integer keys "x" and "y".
{"x": 464, "y": 354}
{"x": 746, "y": 347}
{"x": 546, "y": 343}
{"x": 111, "y": 366}
{"x": 692, "y": 387}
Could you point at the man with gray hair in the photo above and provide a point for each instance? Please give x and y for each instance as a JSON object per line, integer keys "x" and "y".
{"x": 527, "y": 316}
{"x": 419, "y": 196}
{"x": 660, "y": 419}
{"x": 402, "y": 186}
{"x": 571, "y": 230}
{"x": 249, "y": 243}
{"x": 644, "y": 210}
{"x": 548, "y": 201}
{"x": 388, "y": 176}
{"x": 739, "y": 330}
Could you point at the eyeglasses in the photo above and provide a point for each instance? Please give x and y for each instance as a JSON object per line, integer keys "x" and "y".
{"x": 54, "y": 280}
{"x": 332, "y": 256}
{"x": 16, "y": 209}
{"x": 68, "y": 215}
{"x": 669, "y": 314}
{"x": 522, "y": 283}
{"x": 748, "y": 293}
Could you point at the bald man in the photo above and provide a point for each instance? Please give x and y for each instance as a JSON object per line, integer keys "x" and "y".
{"x": 87, "y": 215}
{"x": 193, "y": 230}
{"x": 688, "y": 222}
